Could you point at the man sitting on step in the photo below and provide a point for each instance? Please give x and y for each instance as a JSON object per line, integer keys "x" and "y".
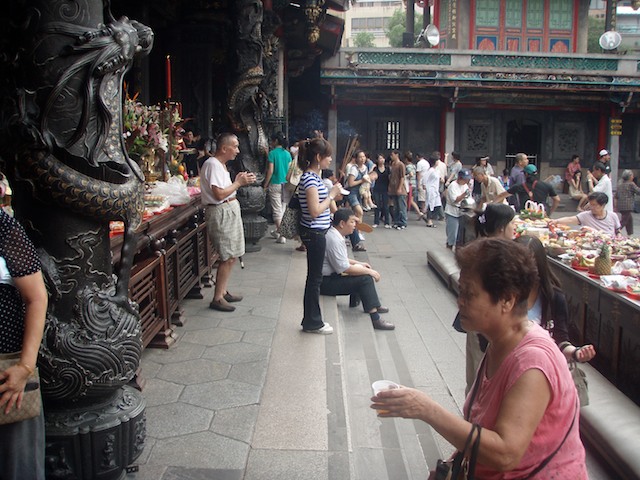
{"x": 344, "y": 276}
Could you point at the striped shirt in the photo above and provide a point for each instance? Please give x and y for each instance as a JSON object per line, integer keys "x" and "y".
{"x": 307, "y": 181}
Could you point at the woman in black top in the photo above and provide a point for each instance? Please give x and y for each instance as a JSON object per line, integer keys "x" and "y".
{"x": 381, "y": 192}
{"x": 23, "y": 308}
{"x": 554, "y": 313}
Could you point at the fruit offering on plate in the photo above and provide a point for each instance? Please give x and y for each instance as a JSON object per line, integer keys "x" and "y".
{"x": 633, "y": 291}
{"x": 583, "y": 261}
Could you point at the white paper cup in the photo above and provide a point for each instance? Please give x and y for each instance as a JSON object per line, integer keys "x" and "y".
{"x": 381, "y": 385}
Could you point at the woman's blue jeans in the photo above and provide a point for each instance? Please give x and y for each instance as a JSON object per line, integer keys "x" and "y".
{"x": 315, "y": 242}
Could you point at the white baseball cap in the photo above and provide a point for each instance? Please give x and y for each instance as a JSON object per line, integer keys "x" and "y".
{"x": 603, "y": 152}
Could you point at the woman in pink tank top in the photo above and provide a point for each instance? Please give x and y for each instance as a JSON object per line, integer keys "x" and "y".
{"x": 524, "y": 398}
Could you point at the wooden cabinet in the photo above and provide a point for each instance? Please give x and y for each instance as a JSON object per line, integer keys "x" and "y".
{"x": 174, "y": 261}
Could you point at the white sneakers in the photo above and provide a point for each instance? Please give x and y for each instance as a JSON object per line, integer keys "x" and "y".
{"x": 325, "y": 330}
{"x": 281, "y": 240}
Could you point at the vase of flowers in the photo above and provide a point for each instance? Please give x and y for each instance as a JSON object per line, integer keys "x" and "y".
{"x": 145, "y": 136}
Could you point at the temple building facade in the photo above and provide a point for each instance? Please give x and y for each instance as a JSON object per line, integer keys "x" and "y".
{"x": 505, "y": 77}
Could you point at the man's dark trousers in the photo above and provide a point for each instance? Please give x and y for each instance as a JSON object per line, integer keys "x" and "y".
{"x": 361, "y": 286}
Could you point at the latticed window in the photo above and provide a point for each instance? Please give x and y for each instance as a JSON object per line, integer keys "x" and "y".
{"x": 487, "y": 13}
{"x": 513, "y": 14}
{"x": 561, "y": 15}
{"x": 535, "y": 14}
{"x": 388, "y": 135}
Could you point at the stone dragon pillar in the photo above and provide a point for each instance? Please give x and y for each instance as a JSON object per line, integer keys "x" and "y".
{"x": 251, "y": 106}
{"x": 61, "y": 68}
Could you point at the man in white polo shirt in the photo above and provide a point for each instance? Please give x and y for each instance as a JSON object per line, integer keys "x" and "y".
{"x": 223, "y": 216}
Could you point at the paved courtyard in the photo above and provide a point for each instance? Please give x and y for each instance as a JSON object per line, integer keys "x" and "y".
{"x": 247, "y": 395}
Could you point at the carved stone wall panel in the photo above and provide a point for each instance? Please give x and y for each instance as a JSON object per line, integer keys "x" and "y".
{"x": 476, "y": 138}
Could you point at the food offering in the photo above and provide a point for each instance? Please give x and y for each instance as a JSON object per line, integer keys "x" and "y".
{"x": 614, "y": 262}
{"x": 533, "y": 210}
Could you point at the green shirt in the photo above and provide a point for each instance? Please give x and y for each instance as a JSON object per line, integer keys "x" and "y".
{"x": 281, "y": 159}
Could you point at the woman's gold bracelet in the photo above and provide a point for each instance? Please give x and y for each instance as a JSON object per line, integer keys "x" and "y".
{"x": 26, "y": 367}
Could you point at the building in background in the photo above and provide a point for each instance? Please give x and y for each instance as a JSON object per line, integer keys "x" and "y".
{"x": 372, "y": 17}
{"x": 506, "y": 77}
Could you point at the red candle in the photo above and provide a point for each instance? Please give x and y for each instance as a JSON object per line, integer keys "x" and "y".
{"x": 168, "y": 72}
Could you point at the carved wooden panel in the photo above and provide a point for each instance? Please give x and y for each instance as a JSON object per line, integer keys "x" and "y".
{"x": 145, "y": 288}
{"x": 611, "y": 324}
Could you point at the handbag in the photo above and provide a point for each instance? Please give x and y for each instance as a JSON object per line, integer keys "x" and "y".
{"x": 31, "y": 399}
{"x": 581, "y": 383}
{"x": 463, "y": 464}
{"x": 291, "y": 218}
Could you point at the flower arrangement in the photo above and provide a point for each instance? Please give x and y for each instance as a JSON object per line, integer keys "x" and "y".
{"x": 149, "y": 131}
{"x": 142, "y": 128}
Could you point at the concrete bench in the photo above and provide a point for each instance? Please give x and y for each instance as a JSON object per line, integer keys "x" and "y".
{"x": 444, "y": 264}
{"x": 610, "y": 424}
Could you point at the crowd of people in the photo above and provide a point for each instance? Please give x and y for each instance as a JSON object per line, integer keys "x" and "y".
{"x": 511, "y": 306}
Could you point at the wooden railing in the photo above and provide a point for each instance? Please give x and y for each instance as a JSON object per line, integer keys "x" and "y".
{"x": 174, "y": 261}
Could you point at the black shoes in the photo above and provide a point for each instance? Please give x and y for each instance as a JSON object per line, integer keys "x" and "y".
{"x": 382, "y": 325}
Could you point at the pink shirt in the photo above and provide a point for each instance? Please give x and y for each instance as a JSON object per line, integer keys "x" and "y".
{"x": 536, "y": 350}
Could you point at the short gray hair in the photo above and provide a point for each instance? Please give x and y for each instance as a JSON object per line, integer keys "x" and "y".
{"x": 626, "y": 175}
{"x": 479, "y": 170}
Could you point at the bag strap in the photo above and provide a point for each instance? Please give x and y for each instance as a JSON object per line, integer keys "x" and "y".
{"x": 546, "y": 461}
{"x": 458, "y": 461}
{"x": 474, "y": 455}
{"x": 476, "y": 386}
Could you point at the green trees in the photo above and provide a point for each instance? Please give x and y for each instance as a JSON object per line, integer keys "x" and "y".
{"x": 363, "y": 40}
{"x": 396, "y": 27}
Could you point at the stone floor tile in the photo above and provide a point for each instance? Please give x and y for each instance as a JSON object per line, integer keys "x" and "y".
{"x": 176, "y": 419}
{"x": 193, "y": 372}
{"x": 250, "y": 323}
{"x": 160, "y": 392}
{"x": 179, "y": 352}
{"x": 204, "y": 450}
{"x": 234, "y": 353}
{"x": 258, "y": 337}
{"x": 221, "y": 394}
{"x": 287, "y": 464}
{"x": 200, "y": 322}
{"x": 237, "y": 423}
{"x": 213, "y": 336}
{"x": 147, "y": 472}
{"x": 253, "y": 373}
{"x": 174, "y": 473}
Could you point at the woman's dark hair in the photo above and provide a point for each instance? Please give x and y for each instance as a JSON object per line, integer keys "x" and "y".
{"x": 201, "y": 144}
{"x": 574, "y": 156}
{"x": 504, "y": 268}
{"x": 547, "y": 281}
{"x": 310, "y": 148}
{"x": 577, "y": 174}
{"x": 600, "y": 197}
{"x": 494, "y": 218}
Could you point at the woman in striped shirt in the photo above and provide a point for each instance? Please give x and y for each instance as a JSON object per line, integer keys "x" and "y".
{"x": 315, "y": 200}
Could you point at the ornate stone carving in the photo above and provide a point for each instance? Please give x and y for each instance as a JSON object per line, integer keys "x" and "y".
{"x": 62, "y": 66}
